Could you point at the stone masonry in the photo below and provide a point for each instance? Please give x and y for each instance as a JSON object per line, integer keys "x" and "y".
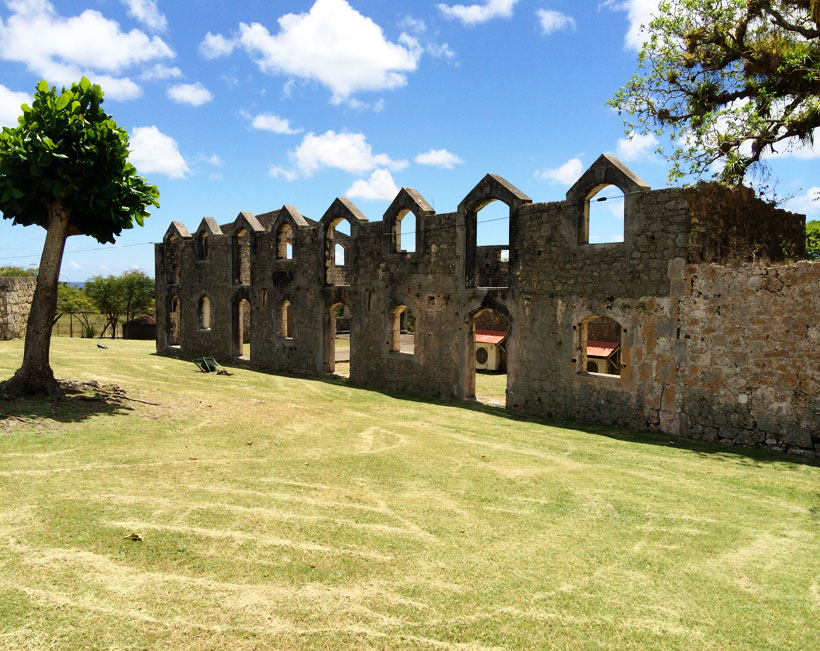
{"x": 717, "y": 334}
{"x": 15, "y": 303}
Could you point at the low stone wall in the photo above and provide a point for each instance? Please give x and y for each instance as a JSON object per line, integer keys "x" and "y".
{"x": 15, "y": 303}
{"x": 748, "y": 358}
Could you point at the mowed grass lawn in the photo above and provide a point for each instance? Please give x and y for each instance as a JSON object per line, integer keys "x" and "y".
{"x": 287, "y": 513}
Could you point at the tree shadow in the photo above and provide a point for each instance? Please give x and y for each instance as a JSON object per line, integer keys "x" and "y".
{"x": 73, "y": 408}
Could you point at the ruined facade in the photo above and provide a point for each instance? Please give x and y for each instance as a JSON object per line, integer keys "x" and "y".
{"x": 706, "y": 332}
{"x": 15, "y": 302}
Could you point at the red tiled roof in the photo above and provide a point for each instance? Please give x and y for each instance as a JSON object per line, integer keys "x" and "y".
{"x": 601, "y": 348}
{"x": 490, "y": 336}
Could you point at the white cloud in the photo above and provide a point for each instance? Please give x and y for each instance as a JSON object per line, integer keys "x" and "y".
{"x": 439, "y": 50}
{"x": 439, "y": 158}
{"x": 554, "y": 21}
{"x": 806, "y": 204}
{"x": 193, "y": 94}
{"x": 161, "y": 71}
{"x": 335, "y": 45}
{"x": 793, "y": 148}
{"x": 213, "y": 159}
{"x": 345, "y": 151}
{"x": 639, "y": 12}
{"x": 270, "y": 122}
{"x": 63, "y": 49}
{"x": 414, "y": 25}
{"x": 214, "y": 46}
{"x": 153, "y": 151}
{"x": 379, "y": 187}
{"x": 10, "y": 103}
{"x": 636, "y": 146}
{"x": 277, "y": 171}
{"x": 121, "y": 88}
{"x": 418, "y": 29}
{"x": 566, "y": 174}
{"x": 479, "y": 13}
{"x": 147, "y": 12}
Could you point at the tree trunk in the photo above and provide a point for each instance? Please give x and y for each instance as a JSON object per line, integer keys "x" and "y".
{"x": 35, "y": 374}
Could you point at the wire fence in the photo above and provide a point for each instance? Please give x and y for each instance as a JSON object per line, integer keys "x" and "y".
{"x": 71, "y": 326}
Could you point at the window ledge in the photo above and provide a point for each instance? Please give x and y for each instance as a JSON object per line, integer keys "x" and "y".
{"x": 603, "y": 376}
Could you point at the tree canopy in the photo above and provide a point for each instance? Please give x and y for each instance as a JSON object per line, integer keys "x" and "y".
{"x": 728, "y": 81}
{"x": 66, "y": 149}
{"x": 123, "y": 297}
{"x": 18, "y": 272}
{"x": 65, "y": 167}
{"x": 74, "y": 302}
{"x": 813, "y": 239}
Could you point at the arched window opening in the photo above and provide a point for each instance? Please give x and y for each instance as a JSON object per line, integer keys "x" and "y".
{"x": 241, "y": 326}
{"x": 599, "y": 346}
{"x": 337, "y": 340}
{"x": 172, "y": 262}
{"x": 405, "y": 233}
{"x": 173, "y": 321}
{"x": 202, "y": 246}
{"x": 204, "y": 313}
{"x": 284, "y": 242}
{"x": 488, "y": 345}
{"x": 492, "y": 245}
{"x": 603, "y": 218}
{"x": 340, "y": 255}
{"x": 402, "y": 331}
{"x": 284, "y": 323}
{"x": 337, "y": 253}
{"x": 242, "y": 257}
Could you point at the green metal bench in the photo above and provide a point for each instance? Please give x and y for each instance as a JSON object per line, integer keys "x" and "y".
{"x": 209, "y": 365}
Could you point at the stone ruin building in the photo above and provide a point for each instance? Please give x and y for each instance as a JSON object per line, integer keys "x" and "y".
{"x": 704, "y": 323}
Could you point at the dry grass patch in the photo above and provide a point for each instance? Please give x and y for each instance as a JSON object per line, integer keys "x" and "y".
{"x": 279, "y": 512}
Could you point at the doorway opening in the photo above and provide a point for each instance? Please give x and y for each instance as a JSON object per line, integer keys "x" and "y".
{"x": 337, "y": 340}
{"x": 488, "y": 377}
{"x": 173, "y": 322}
{"x": 241, "y": 328}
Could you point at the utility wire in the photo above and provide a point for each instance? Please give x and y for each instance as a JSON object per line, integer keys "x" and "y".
{"x": 427, "y": 230}
{"x": 99, "y": 248}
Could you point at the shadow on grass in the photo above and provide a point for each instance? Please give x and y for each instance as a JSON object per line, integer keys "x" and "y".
{"x": 35, "y": 410}
{"x": 744, "y": 455}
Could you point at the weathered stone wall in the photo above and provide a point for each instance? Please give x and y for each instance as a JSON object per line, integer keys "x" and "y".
{"x": 748, "y": 355}
{"x": 734, "y": 226}
{"x": 555, "y": 285}
{"x": 15, "y": 303}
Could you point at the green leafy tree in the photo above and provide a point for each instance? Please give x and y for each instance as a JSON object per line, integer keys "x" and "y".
{"x": 813, "y": 239}
{"x": 106, "y": 295}
{"x": 74, "y": 302}
{"x": 728, "y": 81}
{"x": 121, "y": 297}
{"x": 138, "y": 292}
{"x": 18, "y": 272}
{"x": 65, "y": 168}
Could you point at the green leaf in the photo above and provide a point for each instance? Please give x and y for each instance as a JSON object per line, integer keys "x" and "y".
{"x": 16, "y": 193}
{"x": 42, "y": 86}
{"x": 63, "y": 100}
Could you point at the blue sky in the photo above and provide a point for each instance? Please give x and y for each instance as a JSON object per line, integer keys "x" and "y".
{"x": 252, "y": 105}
